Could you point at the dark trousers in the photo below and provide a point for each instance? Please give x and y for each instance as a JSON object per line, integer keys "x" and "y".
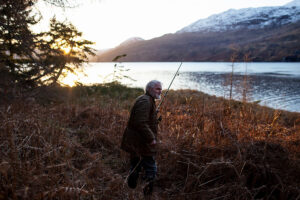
{"x": 145, "y": 162}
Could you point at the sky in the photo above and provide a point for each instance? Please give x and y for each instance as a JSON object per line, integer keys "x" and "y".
{"x": 110, "y": 22}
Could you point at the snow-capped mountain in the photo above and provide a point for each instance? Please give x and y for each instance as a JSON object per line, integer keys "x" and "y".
{"x": 293, "y": 3}
{"x": 263, "y": 34}
{"x": 249, "y": 18}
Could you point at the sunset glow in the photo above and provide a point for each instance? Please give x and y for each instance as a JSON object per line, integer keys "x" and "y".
{"x": 70, "y": 80}
{"x": 110, "y": 22}
{"x": 66, "y": 50}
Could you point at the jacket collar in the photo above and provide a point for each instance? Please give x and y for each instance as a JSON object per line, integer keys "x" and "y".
{"x": 147, "y": 93}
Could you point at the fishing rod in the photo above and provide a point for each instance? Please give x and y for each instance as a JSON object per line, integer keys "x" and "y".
{"x": 165, "y": 94}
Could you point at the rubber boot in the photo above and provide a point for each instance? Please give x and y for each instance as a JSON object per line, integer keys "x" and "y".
{"x": 148, "y": 189}
{"x": 133, "y": 179}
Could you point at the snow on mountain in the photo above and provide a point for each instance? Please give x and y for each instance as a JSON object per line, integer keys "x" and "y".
{"x": 293, "y": 3}
{"x": 250, "y": 18}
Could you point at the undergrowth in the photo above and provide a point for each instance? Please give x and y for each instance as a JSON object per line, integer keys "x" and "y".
{"x": 64, "y": 144}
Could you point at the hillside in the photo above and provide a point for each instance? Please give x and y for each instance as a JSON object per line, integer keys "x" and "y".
{"x": 247, "y": 18}
{"x": 263, "y": 34}
{"x": 269, "y": 44}
{"x": 65, "y": 145}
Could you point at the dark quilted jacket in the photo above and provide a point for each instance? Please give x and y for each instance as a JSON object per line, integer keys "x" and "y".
{"x": 141, "y": 128}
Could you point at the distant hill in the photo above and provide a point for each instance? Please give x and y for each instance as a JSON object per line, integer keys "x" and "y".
{"x": 265, "y": 34}
{"x": 131, "y": 41}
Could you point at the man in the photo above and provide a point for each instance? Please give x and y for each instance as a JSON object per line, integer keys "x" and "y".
{"x": 140, "y": 137}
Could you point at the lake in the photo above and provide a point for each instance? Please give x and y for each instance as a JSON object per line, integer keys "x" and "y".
{"x": 276, "y": 85}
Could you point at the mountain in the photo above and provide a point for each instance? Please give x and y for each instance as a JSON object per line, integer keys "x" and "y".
{"x": 293, "y": 3}
{"x": 247, "y": 18}
{"x": 264, "y": 34}
{"x": 94, "y": 58}
{"x": 131, "y": 41}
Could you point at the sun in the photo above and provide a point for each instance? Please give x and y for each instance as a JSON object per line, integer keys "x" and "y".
{"x": 69, "y": 80}
{"x": 66, "y": 50}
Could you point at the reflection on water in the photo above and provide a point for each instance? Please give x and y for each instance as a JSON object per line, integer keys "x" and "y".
{"x": 279, "y": 92}
{"x": 273, "y": 84}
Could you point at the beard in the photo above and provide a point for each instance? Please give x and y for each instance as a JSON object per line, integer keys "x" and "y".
{"x": 155, "y": 96}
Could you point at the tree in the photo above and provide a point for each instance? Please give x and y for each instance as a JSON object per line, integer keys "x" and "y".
{"x": 62, "y": 50}
{"x": 16, "y": 39}
{"x": 38, "y": 59}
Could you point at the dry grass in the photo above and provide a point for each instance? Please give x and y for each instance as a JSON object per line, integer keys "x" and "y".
{"x": 211, "y": 149}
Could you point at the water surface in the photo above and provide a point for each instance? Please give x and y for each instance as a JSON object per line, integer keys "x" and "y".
{"x": 276, "y": 85}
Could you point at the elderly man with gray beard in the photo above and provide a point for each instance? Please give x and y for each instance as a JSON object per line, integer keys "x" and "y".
{"x": 140, "y": 137}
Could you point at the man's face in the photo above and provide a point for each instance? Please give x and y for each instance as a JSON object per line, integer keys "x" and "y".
{"x": 156, "y": 91}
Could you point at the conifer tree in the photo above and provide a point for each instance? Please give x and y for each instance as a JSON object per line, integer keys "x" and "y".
{"x": 62, "y": 49}
{"x": 16, "y": 39}
{"x": 32, "y": 59}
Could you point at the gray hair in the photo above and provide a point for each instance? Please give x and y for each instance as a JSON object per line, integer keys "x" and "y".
{"x": 152, "y": 84}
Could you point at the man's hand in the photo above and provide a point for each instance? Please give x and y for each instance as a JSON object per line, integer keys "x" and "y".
{"x": 159, "y": 118}
{"x": 153, "y": 142}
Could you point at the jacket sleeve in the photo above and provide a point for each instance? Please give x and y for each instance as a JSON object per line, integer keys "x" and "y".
{"x": 142, "y": 117}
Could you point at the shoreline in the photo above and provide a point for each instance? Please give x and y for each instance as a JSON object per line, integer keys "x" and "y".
{"x": 264, "y": 81}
